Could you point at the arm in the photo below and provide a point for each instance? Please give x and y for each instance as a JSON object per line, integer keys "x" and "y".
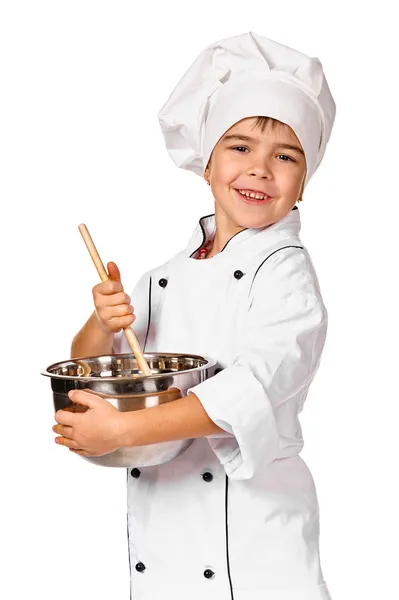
{"x": 176, "y": 420}
{"x": 111, "y": 313}
{"x": 91, "y": 340}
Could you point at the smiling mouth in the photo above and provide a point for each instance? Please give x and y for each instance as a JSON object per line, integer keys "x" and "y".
{"x": 263, "y": 198}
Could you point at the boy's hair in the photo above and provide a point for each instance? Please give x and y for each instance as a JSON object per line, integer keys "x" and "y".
{"x": 262, "y": 122}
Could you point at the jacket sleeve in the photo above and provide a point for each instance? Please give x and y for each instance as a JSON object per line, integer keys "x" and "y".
{"x": 258, "y": 396}
{"x": 140, "y": 301}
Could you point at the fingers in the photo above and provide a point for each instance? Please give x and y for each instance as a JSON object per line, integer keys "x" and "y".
{"x": 81, "y": 452}
{"x": 119, "y": 310}
{"x": 65, "y": 417}
{"x": 113, "y": 271}
{"x": 115, "y": 317}
{"x": 86, "y": 398}
{"x": 116, "y": 325}
{"x": 108, "y": 287}
{"x": 114, "y": 299}
{"x": 64, "y": 430}
{"x": 63, "y": 441}
{"x": 113, "y": 306}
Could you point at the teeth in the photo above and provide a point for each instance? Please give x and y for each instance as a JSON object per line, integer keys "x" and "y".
{"x": 253, "y": 195}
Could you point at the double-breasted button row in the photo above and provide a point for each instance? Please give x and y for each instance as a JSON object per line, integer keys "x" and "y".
{"x": 205, "y": 476}
{"x": 164, "y": 282}
{"x": 208, "y": 573}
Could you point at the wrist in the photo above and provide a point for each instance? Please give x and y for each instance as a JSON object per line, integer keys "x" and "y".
{"x": 124, "y": 429}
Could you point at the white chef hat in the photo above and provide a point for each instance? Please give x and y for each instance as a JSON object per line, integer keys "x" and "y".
{"x": 247, "y": 75}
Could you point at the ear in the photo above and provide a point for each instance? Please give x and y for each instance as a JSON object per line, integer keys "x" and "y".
{"x": 207, "y": 172}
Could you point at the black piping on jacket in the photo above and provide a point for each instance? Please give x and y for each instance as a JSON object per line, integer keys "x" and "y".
{"x": 267, "y": 257}
{"x": 149, "y": 312}
{"x": 227, "y": 535}
{"x": 204, "y": 234}
{"x": 128, "y": 540}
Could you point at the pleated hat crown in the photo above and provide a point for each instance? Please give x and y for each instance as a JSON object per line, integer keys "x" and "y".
{"x": 247, "y": 75}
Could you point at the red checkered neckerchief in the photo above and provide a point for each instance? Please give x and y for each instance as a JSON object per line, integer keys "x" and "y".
{"x": 203, "y": 251}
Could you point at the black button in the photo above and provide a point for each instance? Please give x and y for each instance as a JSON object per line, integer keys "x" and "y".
{"x": 140, "y": 567}
{"x": 238, "y": 274}
{"x": 207, "y": 477}
{"x": 135, "y": 473}
{"x": 163, "y": 282}
{"x": 208, "y": 574}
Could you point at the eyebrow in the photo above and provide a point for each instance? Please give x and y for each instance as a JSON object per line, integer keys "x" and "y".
{"x": 247, "y": 138}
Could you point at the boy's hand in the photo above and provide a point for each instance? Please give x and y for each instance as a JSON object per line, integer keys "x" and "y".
{"x": 95, "y": 432}
{"x": 113, "y": 307}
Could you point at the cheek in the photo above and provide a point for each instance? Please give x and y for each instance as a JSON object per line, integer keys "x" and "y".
{"x": 224, "y": 169}
{"x": 226, "y": 174}
{"x": 289, "y": 188}
{"x": 288, "y": 183}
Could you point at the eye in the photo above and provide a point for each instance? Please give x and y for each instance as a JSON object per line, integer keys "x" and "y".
{"x": 286, "y": 156}
{"x": 237, "y": 147}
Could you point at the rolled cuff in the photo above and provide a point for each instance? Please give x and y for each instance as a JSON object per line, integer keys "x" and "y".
{"x": 236, "y": 401}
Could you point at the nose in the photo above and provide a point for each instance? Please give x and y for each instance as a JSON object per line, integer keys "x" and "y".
{"x": 260, "y": 168}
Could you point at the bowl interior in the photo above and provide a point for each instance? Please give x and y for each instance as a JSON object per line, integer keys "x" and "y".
{"x": 125, "y": 365}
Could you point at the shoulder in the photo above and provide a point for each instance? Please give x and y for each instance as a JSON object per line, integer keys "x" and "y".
{"x": 286, "y": 273}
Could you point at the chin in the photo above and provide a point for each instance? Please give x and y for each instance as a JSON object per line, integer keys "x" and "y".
{"x": 248, "y": 223}
{"x": 255, "y": 221}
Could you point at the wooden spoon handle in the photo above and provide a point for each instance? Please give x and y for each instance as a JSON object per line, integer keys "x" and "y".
{"x": 131, "y": 338}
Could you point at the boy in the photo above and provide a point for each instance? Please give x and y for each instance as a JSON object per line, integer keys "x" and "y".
{"x": 236, "y": 515}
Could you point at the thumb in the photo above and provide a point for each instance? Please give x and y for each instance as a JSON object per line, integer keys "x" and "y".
{"x": 113, "y": 271}
{"x": 85, "y": 397}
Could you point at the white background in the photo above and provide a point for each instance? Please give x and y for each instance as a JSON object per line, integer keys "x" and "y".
{"x": 81, "y": 83}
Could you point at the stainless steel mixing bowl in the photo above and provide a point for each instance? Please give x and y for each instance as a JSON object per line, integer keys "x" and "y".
{"x": 117, "y": 378}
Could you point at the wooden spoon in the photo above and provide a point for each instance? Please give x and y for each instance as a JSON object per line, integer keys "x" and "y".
{"x": 131, "y": 338}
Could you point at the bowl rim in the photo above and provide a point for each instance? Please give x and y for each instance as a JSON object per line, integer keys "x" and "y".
{"x": 210, "y": 362}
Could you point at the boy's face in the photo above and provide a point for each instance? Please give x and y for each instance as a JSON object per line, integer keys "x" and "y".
{"x": 261, "y": 163}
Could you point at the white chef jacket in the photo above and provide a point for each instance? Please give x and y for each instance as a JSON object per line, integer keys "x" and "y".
{"x": 235, "y": 517}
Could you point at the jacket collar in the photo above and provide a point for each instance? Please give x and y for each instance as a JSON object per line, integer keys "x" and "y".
{"x": 289, "y": 226}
